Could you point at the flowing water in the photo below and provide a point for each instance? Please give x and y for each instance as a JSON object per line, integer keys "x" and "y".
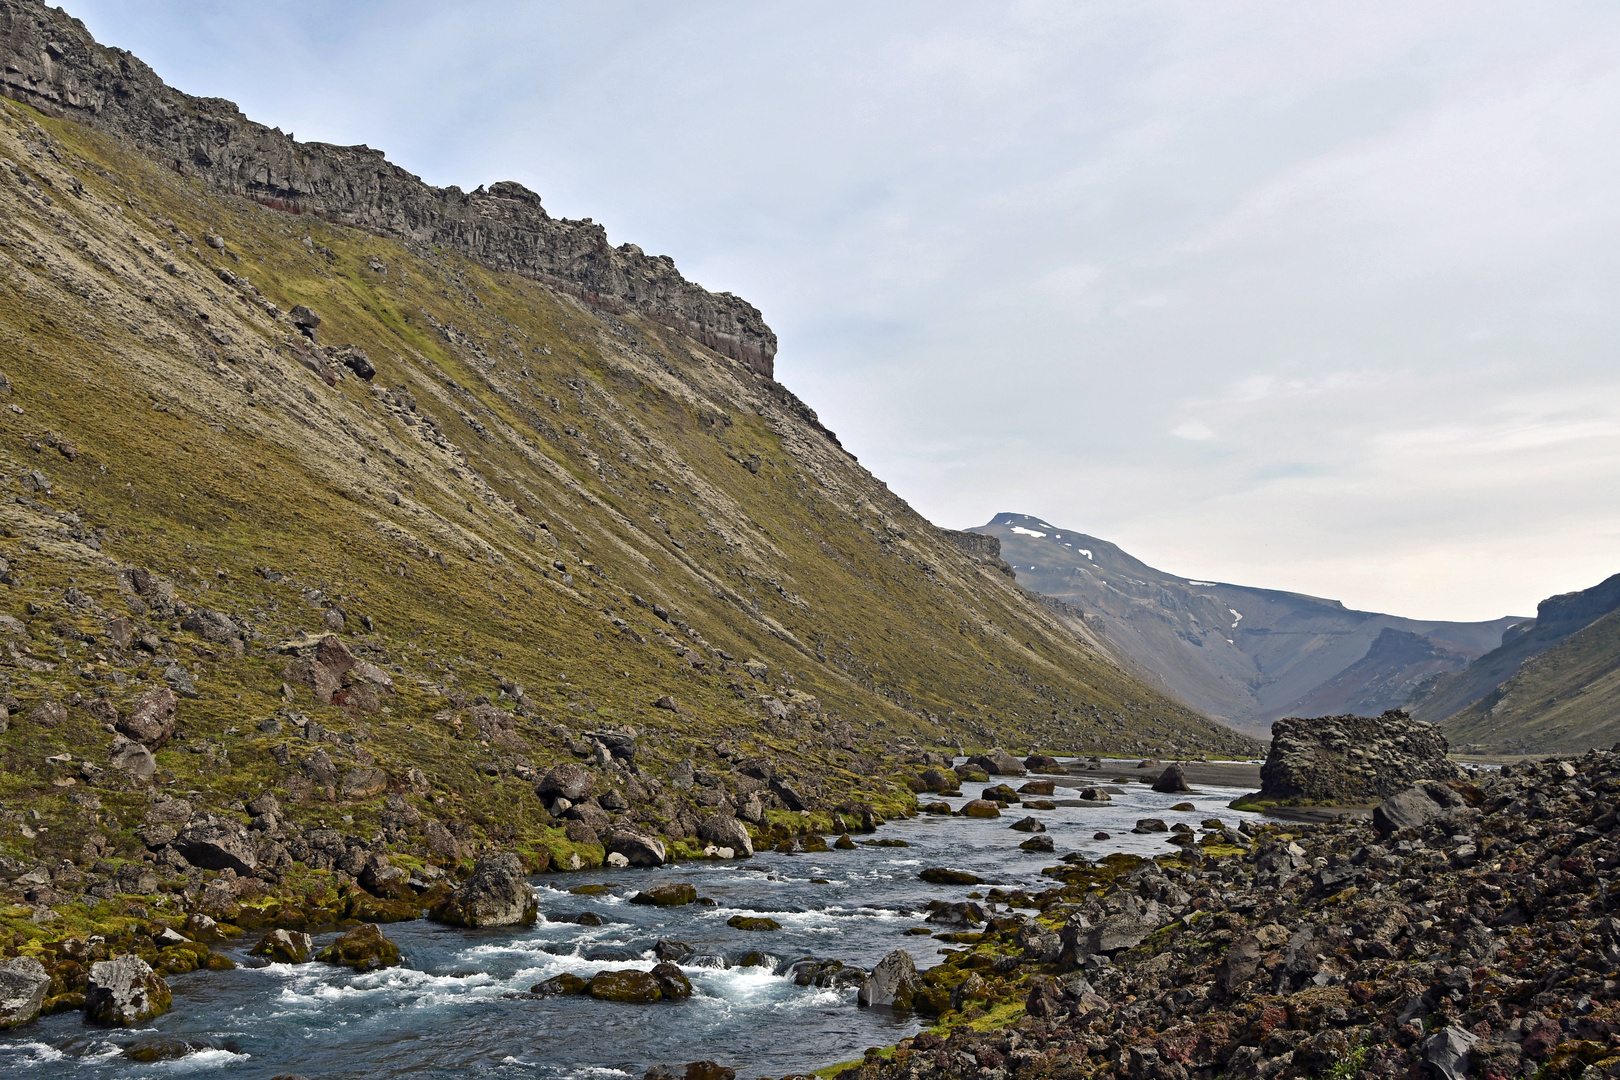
{"x": 443, "y": 1013}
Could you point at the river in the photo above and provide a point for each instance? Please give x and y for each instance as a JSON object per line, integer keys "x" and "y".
{"x": 442, "y": 1014}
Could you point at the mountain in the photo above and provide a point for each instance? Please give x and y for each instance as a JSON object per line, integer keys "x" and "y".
{"x": 544, "y": 491}
{"x": 1244, "y": 655}
{"x": 1557, "y": 618}
{"x": 1553, "y": 686}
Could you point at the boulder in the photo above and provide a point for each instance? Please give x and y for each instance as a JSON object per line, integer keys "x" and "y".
{"x": 364, "y": 948}
{"x": 980, "y": 808}
{"x": 364, "y": 783}
{"x": 673, "y": 895}
{"x": 131, "y": 757}
{"x": 1408, "y": 809}
{"x": 1043, "y": 763}
{"x": 561, "y": 986}
{"x": 285, "y": 947}
{"x": 1119, "y": 932}
{"x": 673, "y": 984}
{"x": 1001, "y": 793}
{"x": 1150, "y": 825}
{"x": 565, "y": 781}
{"x": 1039, "y": 787}
{"x": 1172, "y": 781}
{"x": 628, "y": 985}
{"x": 123, "y": 992}
{"x": 23, "y": 982}
{"x": 998, "y": 763}
{"x": 723, "y": 830}
{"x": 215, "y": 626}
{"x": 934, "y": 779}
{"x": 218, "y": 843}
{"x": 672, "y": 950}
{"x": 939, "y": 875}
{"x": 1029, "y": 824}
{"x": 753, "y": 923}
{"x": 1351, "y": 760}
{"x": 151, "y": 720}
{"x": 497, "y": 894}
{"x": 1095, "y": 794}
{"x": 893, "y": 984}
{"x": 636, "y": 847}
{"x": 1041, "y": 845}
{"x": 1447, "y": 1052}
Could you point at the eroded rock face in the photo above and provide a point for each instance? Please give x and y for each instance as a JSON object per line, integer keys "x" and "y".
{"x": 1352, "y": 760}
{"x": 51, "y": 62}
{"x": 497, "y": 894}
{"x": 123, "y": 992}
{"x": 23, "y": 982}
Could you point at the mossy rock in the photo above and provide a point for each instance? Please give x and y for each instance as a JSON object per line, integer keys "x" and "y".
{"x": 591, "y": 890}
{"x": 939, "y": 875}
{"x": 628, "y": 985}
{"x": 364, "y": 948}
{"x": 562, "y": 985}
{"x": 972, "y": 776}
{"x": 844, "y": 843}
{"x": 285, "y": 947}
{"x": 672, "y": 895}
{"x": 894, "y": 843}
{"x": 918, "y": 931}
{"x": 363, "y": 907}
{"x": 752, "y": 922}
{"x": 1001, "y": 793}
{"x": 980, "y": 808}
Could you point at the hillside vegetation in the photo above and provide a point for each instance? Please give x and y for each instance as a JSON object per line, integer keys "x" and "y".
{"x": 527, "y": 517}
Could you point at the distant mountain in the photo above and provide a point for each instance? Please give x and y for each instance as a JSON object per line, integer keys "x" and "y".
{"x": 1243, "y": 655}
{"x": 1557, "y": 618}
{"x": 1564, "y": 700}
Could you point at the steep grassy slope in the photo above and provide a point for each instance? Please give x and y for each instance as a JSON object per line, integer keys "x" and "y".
{"x": 569, "y": 512}
{"x": 1563, "y": 700}
{"x": 1557, "y": 618}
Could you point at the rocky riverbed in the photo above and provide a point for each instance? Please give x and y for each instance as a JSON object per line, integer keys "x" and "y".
{"x": 1467, "y": 929}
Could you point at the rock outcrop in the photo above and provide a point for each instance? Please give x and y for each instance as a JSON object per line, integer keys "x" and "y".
{"x": 51, "y": 62}
{"x": 1351, "y": 760}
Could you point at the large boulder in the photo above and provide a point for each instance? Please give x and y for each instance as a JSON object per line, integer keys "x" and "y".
{"x": 218, "y": 843}
{"x": 131, "y": 757}
{"x": 566, "y": 781}
{"x": 285, "y": 947}
{"x": 1119, "y": 932}
{"x": 998, "y": 763}
{"x": 364, "y": 948}
{"x": 215, "y": 626}
{"x": 893, "y": 984}
{"x": 151, "y": 720}
{"x": 723, "y": 830}
{"x": 1414, "y": 807}
{"x": 626, "y": 985}
{"x": 1351, "y": 760}
{"x": 23, "y": 982}
{"x": 124, "y": 991}
{"x": 497, "y": 894}
{"x": 638, "y": 848}
{"x": 1172, "y": 781}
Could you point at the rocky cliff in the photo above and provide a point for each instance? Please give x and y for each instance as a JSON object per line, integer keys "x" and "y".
{"x": 50, "y": 61}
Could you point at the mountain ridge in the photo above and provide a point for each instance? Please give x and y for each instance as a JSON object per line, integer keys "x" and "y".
{"x": 1242, "y": 654}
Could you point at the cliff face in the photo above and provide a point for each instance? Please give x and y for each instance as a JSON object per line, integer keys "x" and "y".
{"x": 50, "y": 61}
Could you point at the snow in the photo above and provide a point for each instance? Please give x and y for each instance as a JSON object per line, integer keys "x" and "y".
{"x": 1237, "y": 616}
{"x": 1086, "y": 552}
{"x": 1021, "y": 531}
{"x": 1205, "y": 584}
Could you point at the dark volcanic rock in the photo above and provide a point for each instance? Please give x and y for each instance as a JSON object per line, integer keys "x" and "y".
{"x": 497, "y": 894}
{"x": 1351, "y": 760}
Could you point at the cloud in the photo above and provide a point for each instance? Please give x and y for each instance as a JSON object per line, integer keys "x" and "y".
{"x": 1370, "y": 243}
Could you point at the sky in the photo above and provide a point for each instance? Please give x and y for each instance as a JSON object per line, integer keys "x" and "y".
{"x": 1318, "y": 297}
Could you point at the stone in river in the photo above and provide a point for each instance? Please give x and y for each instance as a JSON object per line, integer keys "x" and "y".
{"x": 939, "y": 875}
{"x": 124, "y": 992}
{"x": 1171, "y": 780}
{"x": 980, "y": 808}
{"x": 1028, "y": 824}
{"x": 672, "y": 895}
{"x": 893, "y": 983}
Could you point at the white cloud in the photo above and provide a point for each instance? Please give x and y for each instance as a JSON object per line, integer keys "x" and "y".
{"x": 1370, "y": 242}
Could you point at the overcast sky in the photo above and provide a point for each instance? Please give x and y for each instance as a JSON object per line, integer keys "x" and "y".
{"x": 1310, "y": 296}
